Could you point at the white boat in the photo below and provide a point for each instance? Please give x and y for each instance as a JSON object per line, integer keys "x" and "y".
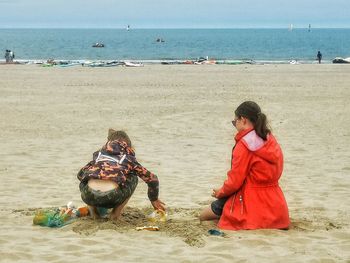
{"x": 132, "y": 64}
{"x": 340, "y": 60}
{"x": 98, "y": 45}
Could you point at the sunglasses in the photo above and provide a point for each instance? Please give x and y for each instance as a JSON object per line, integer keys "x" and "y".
{"x": 235, "y": 121}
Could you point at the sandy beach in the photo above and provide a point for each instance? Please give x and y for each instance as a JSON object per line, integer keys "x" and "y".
{"x": 179, "y": 119}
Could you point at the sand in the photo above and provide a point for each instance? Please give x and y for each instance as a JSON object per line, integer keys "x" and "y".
{"x": 179, "y": 118}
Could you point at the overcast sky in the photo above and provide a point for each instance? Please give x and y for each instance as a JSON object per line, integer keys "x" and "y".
{"x": 174, "y": 13}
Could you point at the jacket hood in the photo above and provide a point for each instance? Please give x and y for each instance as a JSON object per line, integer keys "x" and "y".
{"x": 268, "y": 150}
{"x": 117, "y": 148}
{"x": 271, "y": 151}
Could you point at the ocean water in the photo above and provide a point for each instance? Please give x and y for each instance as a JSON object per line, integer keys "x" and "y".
{"x": 179, "y": 44}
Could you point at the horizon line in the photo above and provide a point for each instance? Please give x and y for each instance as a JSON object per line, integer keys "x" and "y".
{"x": 136, "y": 28}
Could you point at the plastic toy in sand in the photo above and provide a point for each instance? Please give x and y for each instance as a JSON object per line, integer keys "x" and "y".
{"x": 149, "y": 228}
{"x": 58, "y": 217}
{"x": 157, "y": 216}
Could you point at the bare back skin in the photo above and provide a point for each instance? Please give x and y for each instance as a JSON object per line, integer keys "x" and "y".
{"x": 102, "y": 185}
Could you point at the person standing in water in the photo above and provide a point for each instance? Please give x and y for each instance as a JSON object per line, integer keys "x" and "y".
{"x": 319, "y": 57}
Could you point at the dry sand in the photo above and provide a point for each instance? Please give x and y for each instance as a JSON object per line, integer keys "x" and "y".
{"x": 178, "y": 117}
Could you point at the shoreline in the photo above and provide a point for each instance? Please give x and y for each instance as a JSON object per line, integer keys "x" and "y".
{"x": 169, "y": 61}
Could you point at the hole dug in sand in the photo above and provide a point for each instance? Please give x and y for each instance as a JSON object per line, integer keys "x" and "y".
{"x": 181, "y": 223}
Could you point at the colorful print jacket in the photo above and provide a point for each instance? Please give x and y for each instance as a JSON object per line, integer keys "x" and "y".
{"x": 116, "y": 161}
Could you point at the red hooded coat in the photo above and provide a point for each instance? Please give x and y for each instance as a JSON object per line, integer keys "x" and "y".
{"x": 255, "y": 199}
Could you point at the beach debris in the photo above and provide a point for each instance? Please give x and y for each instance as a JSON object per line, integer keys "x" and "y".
{"x": 149, "y": 228}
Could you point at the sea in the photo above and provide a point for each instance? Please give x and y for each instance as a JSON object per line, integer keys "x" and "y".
{"x": 270, "y": 45}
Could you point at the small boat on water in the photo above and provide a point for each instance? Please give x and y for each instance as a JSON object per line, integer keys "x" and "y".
{"x": 290, "y": 27}
{"x": 98, "y": 45}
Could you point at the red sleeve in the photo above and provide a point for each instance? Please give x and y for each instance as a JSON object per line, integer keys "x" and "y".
{"x": 239, "y": 170}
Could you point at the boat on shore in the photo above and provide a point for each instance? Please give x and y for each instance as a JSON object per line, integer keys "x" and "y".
{"x": 95, "y": 64}
{"x": 339, "y": 60}
{"x": 132, "y": 64}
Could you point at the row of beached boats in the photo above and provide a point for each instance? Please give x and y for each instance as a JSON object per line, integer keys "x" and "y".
{"x": 200, "y": 61}
{"x": 51, "y": 63}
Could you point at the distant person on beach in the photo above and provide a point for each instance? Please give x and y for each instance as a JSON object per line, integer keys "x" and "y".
{"x": 319, "y": 57}
{"x": 250, "y": 197}
{"x": 7, "y": 56}
{"x": 12, "y": 56}
{"x": 111, "y": 177}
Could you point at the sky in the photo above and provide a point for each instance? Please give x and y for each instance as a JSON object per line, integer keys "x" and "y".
{"x": 174, "y": 13}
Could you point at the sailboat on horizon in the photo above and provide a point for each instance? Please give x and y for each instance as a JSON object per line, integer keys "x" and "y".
{"x": 290, "y": 27}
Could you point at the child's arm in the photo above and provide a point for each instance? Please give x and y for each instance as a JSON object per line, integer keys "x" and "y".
{"x": 153, "y": 185}
{"x": 150, "y": 179}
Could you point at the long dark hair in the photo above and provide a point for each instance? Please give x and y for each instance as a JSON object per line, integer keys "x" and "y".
{"x": 252, "y": 111}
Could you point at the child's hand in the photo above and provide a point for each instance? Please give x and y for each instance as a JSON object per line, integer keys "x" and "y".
{"x": 158, "y": 205}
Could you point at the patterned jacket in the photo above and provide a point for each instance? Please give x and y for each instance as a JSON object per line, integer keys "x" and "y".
{"x": 116, "y": 161}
